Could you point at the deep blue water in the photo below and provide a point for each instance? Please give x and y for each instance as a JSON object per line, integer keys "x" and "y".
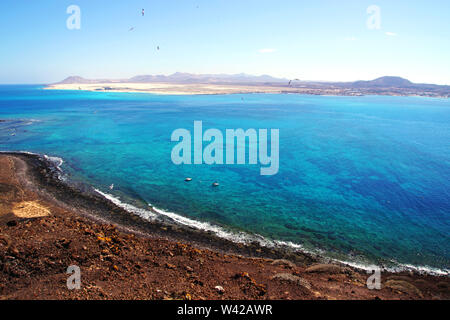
{"x": 361, "y": 178}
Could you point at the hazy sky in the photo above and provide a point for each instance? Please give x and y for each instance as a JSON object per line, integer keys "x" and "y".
{"x": 311, "y": 40}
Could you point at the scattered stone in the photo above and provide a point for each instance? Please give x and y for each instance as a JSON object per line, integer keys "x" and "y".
{"x": 64, "y": 243}
{"x": 11, "y": 223}
{"x": 242, "y": 275}
{"x": 287, "y": 277}
{"x": 88, "y": 231}
{"x": 198, "y": 282}
{"x": 104, "y": 239}
{"x": 4, "y": 239}
{"x": 170, "y": 266}
{"x": 189, "y": 269}
{"x": 14, "y": 251}
{"x": 220, "y": 289}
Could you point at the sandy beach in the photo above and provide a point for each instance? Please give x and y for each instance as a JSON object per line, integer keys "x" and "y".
{"x": 170, "y": 88}
{"x": 216, "y": 88}
{"x": 46, "y": 226}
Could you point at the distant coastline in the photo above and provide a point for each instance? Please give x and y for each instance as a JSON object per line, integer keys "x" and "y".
{"x": 189, "y": 84}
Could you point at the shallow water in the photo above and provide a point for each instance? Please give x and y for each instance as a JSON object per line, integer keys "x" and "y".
{"x": 361, "y": 178}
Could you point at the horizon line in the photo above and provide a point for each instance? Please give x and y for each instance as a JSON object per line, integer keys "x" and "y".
{"x": 278, "y": 79}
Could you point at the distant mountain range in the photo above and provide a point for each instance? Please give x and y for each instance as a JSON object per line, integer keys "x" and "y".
{"x": 394, "y": 82}
{"x": 380, "y": 86}
{"x": 384, "y": 82}
{"x": 180, "y": 77}
{"x": 242, "y": 78}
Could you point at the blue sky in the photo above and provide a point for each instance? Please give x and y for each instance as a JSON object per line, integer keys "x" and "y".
{"x": 311, "y": 40}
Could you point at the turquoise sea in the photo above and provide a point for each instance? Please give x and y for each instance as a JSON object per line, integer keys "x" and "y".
{"x": 361, "y": 179}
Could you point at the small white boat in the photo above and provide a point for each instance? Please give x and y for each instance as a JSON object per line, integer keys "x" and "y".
{"x": 188, "y": 179}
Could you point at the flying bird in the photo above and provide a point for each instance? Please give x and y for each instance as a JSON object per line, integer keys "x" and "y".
{"x": 143, "y": 12}
{"x": 131, "y": 29}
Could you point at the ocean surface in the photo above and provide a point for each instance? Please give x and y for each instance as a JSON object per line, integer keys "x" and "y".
{"x": 361, "y": 179}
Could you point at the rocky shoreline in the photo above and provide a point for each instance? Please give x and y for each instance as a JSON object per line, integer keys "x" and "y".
{"x": 94, "y": 206}
{"x": 47, "y": 225}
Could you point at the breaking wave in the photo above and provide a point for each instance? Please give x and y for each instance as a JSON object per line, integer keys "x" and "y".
{"x": 155, "y": 214}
